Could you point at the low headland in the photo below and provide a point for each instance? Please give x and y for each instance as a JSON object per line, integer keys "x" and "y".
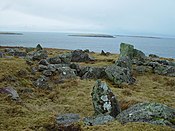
{"x": 54, "y": 89}
{"x": 10, "y": 33}
{"x": 93, "y": 35}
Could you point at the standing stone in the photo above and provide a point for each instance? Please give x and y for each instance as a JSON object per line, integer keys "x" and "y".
{"x": 126, "y": 50}
{"x": 104, "y": 101}
{"x": 39, "y": 47}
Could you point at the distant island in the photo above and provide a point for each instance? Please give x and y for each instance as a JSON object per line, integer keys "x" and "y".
{"x": 10, "y": 33}
{"x": 153, "y": 37}
{"x": 93, "y": 35}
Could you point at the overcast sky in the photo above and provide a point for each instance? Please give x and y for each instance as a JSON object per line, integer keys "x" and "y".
{"x": 138, "y": 17}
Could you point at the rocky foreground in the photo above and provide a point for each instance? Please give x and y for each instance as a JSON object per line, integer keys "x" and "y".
{"x": 51, "y": 89}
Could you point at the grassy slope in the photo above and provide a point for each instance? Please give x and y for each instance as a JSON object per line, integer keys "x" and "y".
{"x": 38, "y": 109}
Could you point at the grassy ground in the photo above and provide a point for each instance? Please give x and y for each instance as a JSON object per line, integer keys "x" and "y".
{"x": 39, "y": 107}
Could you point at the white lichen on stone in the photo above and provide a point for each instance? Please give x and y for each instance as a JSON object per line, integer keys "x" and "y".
{"x": 104, "y": 86}
{"x": 104, "y": 98}
{"x": 107, "y": 106}
{"x": 64, "y": 73}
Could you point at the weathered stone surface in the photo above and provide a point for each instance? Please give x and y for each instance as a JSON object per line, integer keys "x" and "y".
{"x": 47, "y": 72}
{"x": 165, "y": 70}
{"x": 66, "y": 73}
{"x": 66, "y": 58}
{"x": 41, "y": 54}
{"x": 119, "y": 75}
{"x": 67, "y": 119}
{"x": 143, "y": 69}
{"x": 38, "y": 47}
{"x": 126, "y": 50}
{"x": 124, "y": 62}
{"x": 153, "y": 113}
{"x": 92, "y": 72}
{"x": 104, "y": 101}
{"x": 138, "y": 55}
{"x": 98, "y": 120}
{"x": 54, "y": 60}
{"x": 105, "y": 53}
{"x": 9, "y": 90}
{"x": 42, "y": 67}
{"x": 80, "y": 56}
{"x": 29, "y": 49}
{"x": 42, "y": 83}
{"x": 20, "y": 54}
{"x": 1, "y": 55}
{"x": 43, "y": 62}
{"x": 75, "y": 67}
{"x": 52, "y": 67}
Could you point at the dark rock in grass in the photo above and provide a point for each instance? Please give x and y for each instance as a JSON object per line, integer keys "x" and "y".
{"x": 143, "y": 69}
{"x": 76, "y": 67}
{"x": 86, "y": 51}
{"x": 43, "y": 62}
{"x": 10, "y": 91}
{"x": 153, "y": 113}
{"x": 41, "y": 54}
{"x": 104, "y": 101}
{"x": 105, "y": 53}
{"x": 54, "y": 60}
{"x": 29, "y": 49}
{"x": 20, "y": 54}
{"x": 67, "y": 119}
{"x": 39, "y": 47}
{"x": 80, "y": 56}
{"x": 47, "y": 72}
{"x": 165, "y": 70}
{"x": 42, "y": 67}
{"x": 66, "y": 58}
{"x": 119, "y": 75}
{"x": 51, "y": 67}
{"x": 98, "y": 120}
{"x": 92, "y": 72}
{"x": 139, "y": 55}
{"x": 66, "y": 73}
{"x": 42, "y": 83}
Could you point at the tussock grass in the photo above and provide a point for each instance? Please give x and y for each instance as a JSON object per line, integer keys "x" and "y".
{"x": 38, "y": 108}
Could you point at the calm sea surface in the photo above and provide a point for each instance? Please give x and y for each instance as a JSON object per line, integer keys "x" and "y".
{"x": 162, "y": 47}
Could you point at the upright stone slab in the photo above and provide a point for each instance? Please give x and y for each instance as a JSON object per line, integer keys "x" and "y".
{"x": 104, "y": 101}
{"x": 126, "y": 50}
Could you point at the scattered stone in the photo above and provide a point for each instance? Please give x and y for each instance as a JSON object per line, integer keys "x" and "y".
{"x": 66, "y": 73}
{"x": 41, "y": 54}
{"x": 104, "y": 101}
{"x": 9, "y": 90}
{"x": 139, "y": 55}
{"x": 105, "y": 53}
{"x": 66, "y": 58}
{"x": 39, "y": 47}
{"x": 42, "y": 68}
{"x": 44, "y": 62}
{"x": 1, "y": 55}
{"x": 92, "y": 72}
{"x": 22, "y": 73}
{"x": 29, "y": 49}
{"x": 54, "y": 60}
{"x": 98, "y": 120}
{"x": 165, "y": 70}
{"x": 119, "y": 75}
{"x": 80, "y": 56}
{"x": 42, "y": 83}
{"x": 67, "y": 119}
{"x": 143, "y": 69}
{"x": 52, "y": 67}
{"x": 153, "y": 113}
{"x": 86, "y": 51}
{"x": 20, "y": 54}
{"x": 47, "y": 72}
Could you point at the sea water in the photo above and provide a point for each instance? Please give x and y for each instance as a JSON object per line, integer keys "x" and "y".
{"x": 164, "y": 47}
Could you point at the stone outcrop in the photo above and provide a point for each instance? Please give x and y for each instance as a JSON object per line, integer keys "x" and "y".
{"x": 119, "y": 75}
{"x": 104, "y": 101}
{"x": 153, "y": 113}
{"x": 38, "y": 55}
{"x": 80, "y": 56}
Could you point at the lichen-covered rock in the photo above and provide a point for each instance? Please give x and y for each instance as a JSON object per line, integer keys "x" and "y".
{"x": 76, "y": 67}
{"x": 165, "y": 70}
{"x": 126, "y": 50}
{"x": 43, "y": 62}
{"x": 98, "y": 120}
{"x": 124, "y": 62}
{"x": 119, "y": 75}
{"x": 42, "y": 83}
{"x": 47, "y": 72}
{"x": 143, "y": 69}
{"x": 139, "y": 55}
{"x": 104, "y": 101}
{"x": 67, "y": 119}
{"x": 20, "y": 54}
{"x": 153, "y": 113}
{"x": 42, "y": 67}
{"x": 80, "y": 56}
{"x": 66, "y": 73}
{"x": 41, "y": 54}
{"x": 92, "y": 72}
{"x": 54, "y": 60}
{"x": 66, "y": 58}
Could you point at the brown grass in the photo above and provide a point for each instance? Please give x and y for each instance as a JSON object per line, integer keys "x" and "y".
{"x": 39, "y": 107}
